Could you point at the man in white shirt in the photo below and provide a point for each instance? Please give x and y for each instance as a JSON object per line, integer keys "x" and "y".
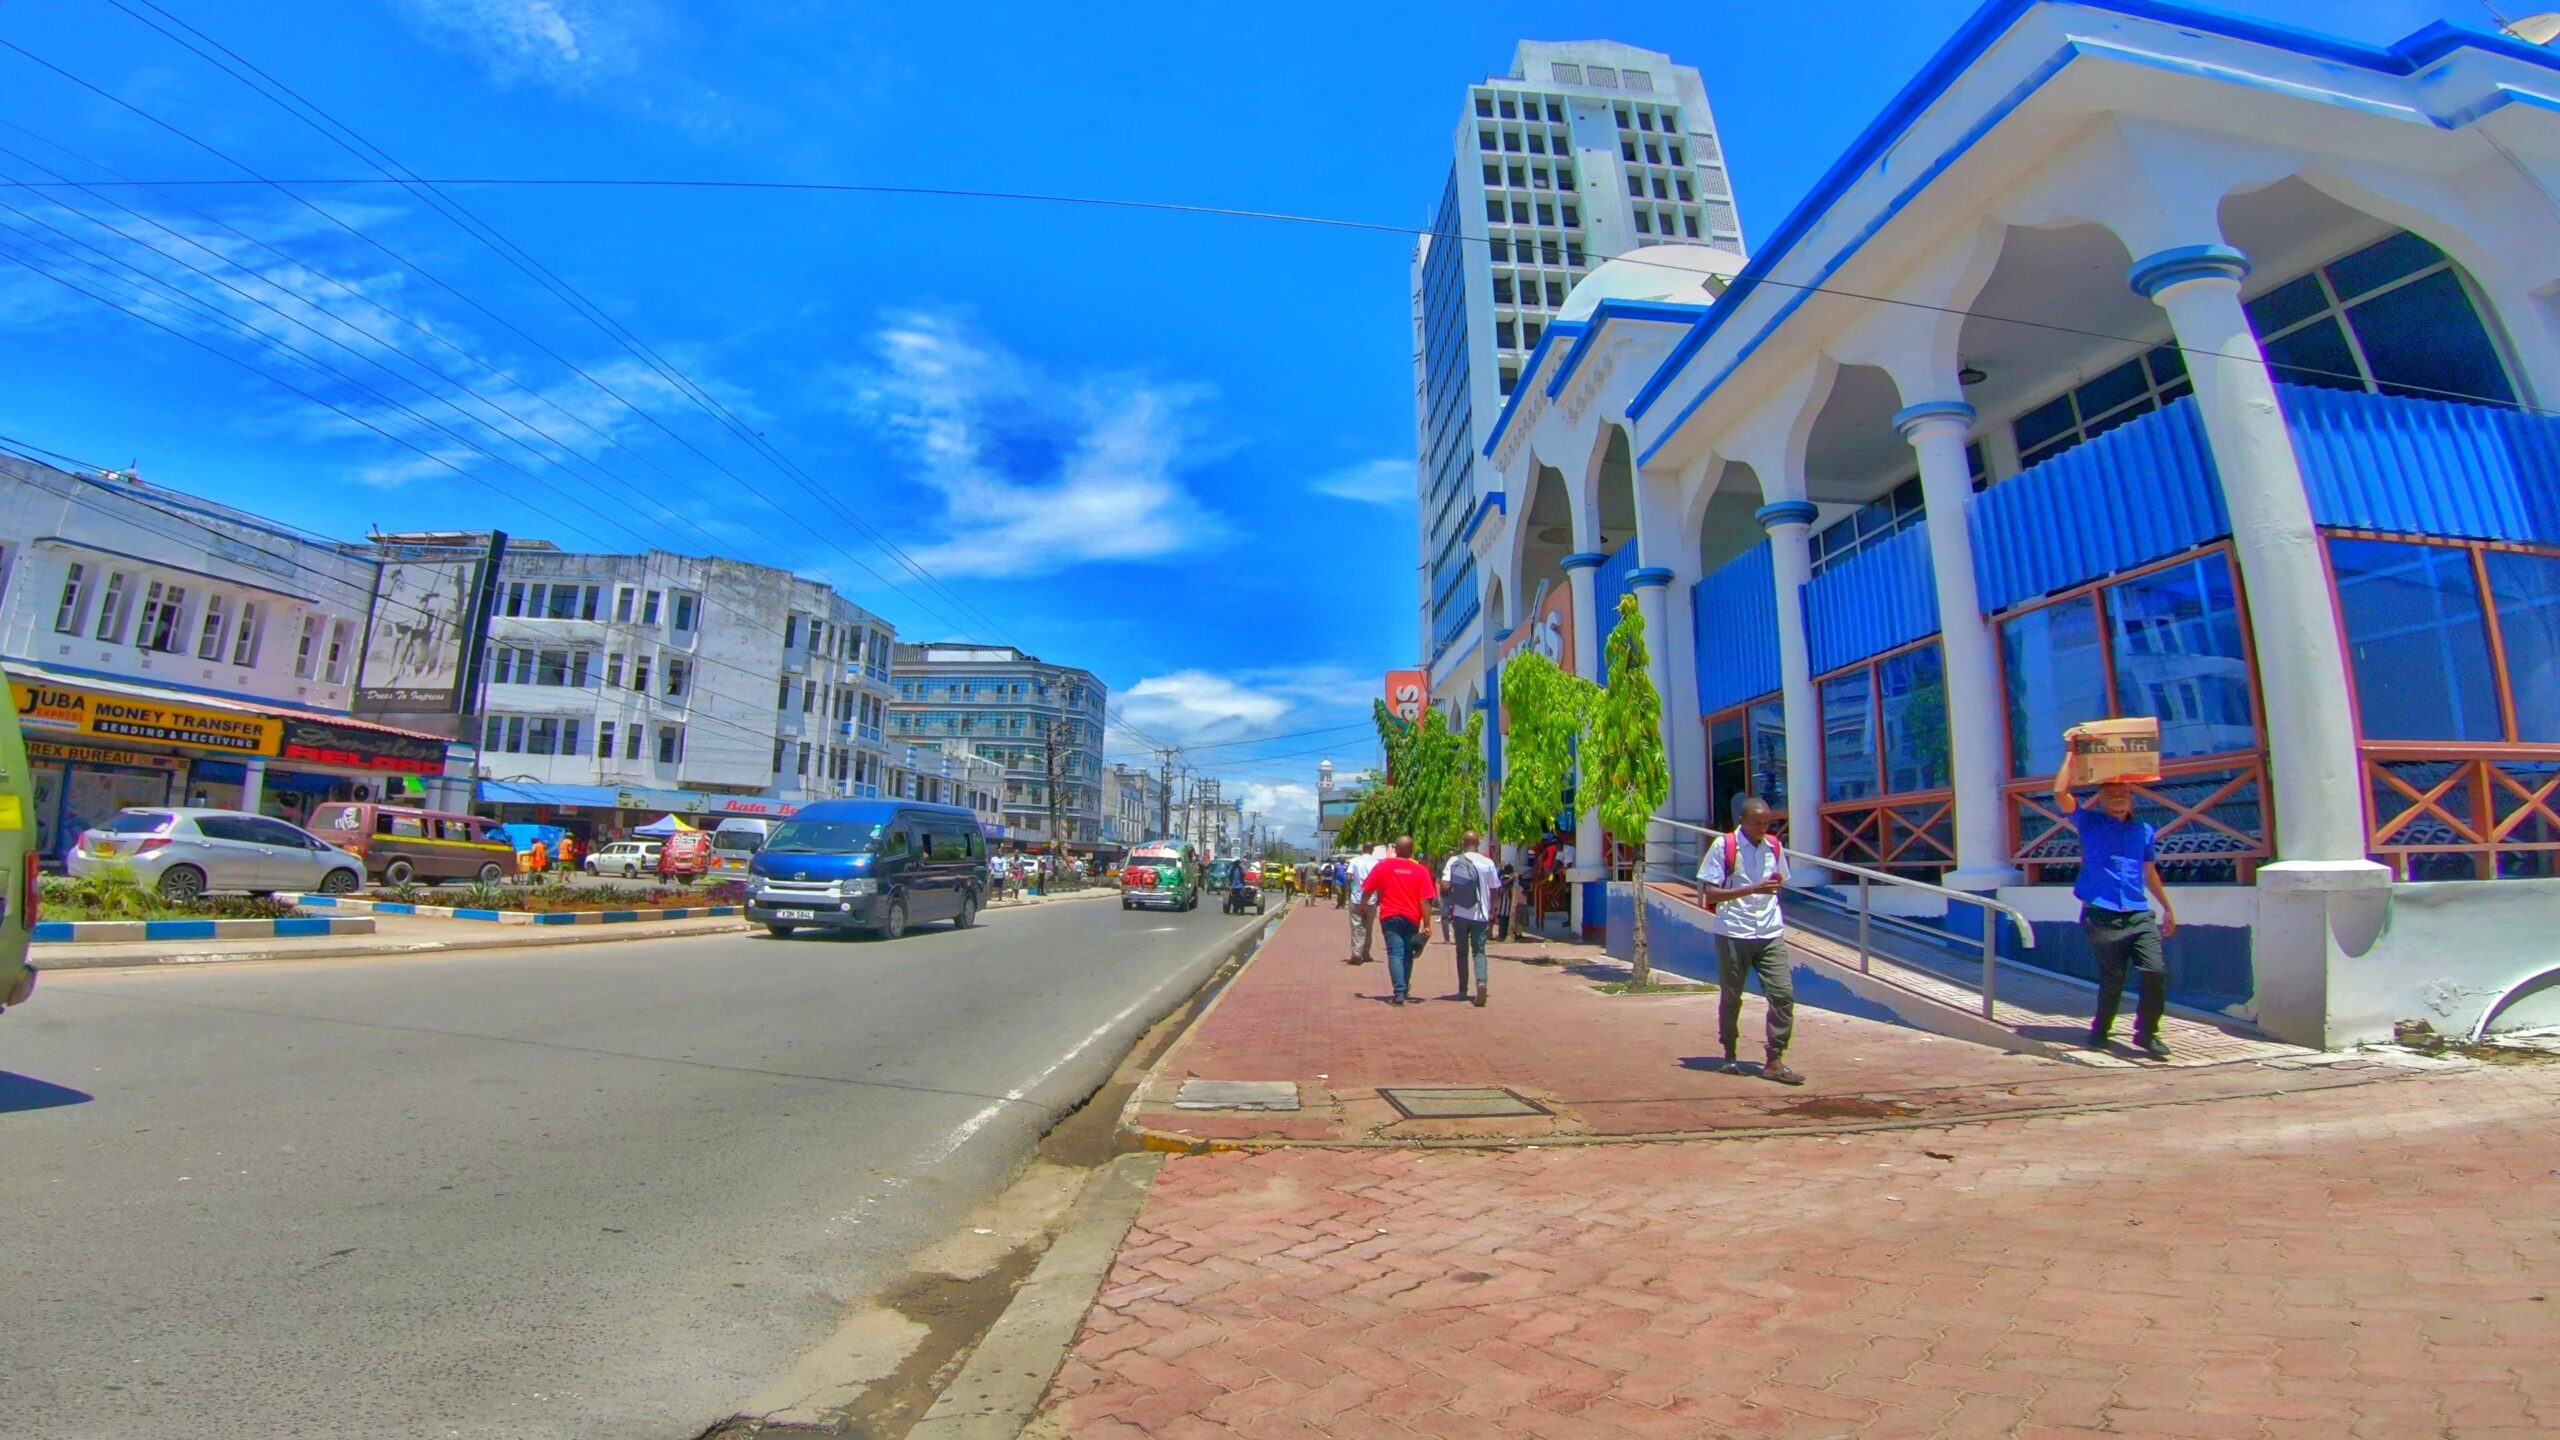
{"x": 1739, "y": 880}
{"x": 1364, "y": 914}
{"x": 1467, "y": 886}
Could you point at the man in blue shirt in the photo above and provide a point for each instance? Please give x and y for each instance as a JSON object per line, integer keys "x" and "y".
{"x": 2119, "y": 861}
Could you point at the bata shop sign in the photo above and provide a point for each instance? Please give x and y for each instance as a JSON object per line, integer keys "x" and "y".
{"x": 318, "y": 742}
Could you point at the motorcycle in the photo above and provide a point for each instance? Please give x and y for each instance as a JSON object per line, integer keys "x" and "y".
{"x": 1243, "y": 894}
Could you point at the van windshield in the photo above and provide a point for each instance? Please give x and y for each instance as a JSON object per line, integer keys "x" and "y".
{"x": 823, "y": 837}
{"x": 746, "y": 840}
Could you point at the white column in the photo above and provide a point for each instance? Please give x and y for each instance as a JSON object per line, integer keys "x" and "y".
{"x": 1653, "y": 595}
{"x": 1581, "y": 571}
{"x": 1935, "y": 430}
{"x": 2302, "y": 672}
{"x": 1790, "y": 527}
{"x": 253, "y": 784}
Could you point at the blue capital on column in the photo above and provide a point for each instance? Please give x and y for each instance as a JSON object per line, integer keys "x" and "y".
{"x": 1650, "y": 575}
{"x": 1584, "y": 560}
{"x": 1786, "y": 512}
{"x": 1910, "y": 417}
{"x": 2157, "y": 272}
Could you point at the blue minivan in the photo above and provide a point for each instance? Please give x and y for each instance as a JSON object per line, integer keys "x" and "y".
{"x": 876, "y": 865}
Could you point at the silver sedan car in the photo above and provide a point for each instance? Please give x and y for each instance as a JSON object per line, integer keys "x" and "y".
{"x": 184, "y": 852}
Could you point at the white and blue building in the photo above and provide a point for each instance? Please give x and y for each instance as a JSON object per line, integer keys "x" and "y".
{"x": 2138, "y": 359}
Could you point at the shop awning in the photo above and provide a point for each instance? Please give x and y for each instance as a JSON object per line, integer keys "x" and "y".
{"x": 527, "y": 792}
{"x": 56, "y": 703}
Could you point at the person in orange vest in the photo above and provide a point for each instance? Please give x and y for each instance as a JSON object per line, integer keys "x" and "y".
{"x": 568, "y": 853}
{"x": 537, "y": 857}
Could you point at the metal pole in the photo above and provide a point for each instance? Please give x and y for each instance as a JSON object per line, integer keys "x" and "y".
{"x": 1863, "y": 926}
{"x": 1990, "y": 957}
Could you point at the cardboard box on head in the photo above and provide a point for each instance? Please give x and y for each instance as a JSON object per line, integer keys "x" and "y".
{"x": 2107, "y": 750}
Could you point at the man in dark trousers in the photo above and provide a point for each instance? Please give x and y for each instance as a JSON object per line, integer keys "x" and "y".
{"x": 1739, "y": 879}
{"x": 2119, "y": 861}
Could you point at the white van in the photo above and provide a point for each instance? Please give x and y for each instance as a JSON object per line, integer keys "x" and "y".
{"x": 736, "y": 842}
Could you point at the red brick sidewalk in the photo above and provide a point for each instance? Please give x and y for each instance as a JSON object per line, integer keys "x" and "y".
{"x": 1607, "y": 1065}
{"x": 2379, "y": 1261}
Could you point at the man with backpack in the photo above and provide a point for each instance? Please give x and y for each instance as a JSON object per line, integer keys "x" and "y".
{"x": 1468, "y": 885}
{"x": 1738, "y": 883}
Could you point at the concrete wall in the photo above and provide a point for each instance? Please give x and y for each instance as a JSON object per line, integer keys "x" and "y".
{"x": 2450, "y": 953}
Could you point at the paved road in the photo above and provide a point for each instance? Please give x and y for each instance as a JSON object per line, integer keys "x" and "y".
{"x": 602, "y": 1190}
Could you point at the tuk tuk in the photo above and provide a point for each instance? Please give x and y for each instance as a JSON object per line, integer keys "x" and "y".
{"x": 1161, "y": 875}
{"x": 684, "y": 855}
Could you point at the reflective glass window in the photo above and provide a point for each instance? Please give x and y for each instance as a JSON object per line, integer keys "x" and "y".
{"x": 1848, "y": 736}
{"x": 2526, "y": 591}
{"x": 2056, "y": 677}
{"x": 2179, "y": 656}
{"x": 2416, "y": 641}
{"x": 1913, "y": 688}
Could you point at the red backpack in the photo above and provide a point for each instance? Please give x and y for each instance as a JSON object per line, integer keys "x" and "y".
{"x": 1732, "y": 858}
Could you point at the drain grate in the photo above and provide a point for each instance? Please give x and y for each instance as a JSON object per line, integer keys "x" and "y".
{"x": 1461, "y": 1102}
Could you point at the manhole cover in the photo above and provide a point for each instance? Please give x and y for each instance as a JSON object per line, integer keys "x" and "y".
{"x": 1237, "y": 1095}
{"x": 1460, "y": 1103}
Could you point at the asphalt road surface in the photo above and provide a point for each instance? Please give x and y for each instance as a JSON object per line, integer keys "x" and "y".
{"x": 590, "y": 1191}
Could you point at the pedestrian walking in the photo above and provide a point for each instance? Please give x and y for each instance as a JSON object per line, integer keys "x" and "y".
{"x": 1364, "y": 914}
{"x": 1400, "y": 889}
{"x": 1738, "y": 884}
{"x": 1507, "y": 887}
{"x": 2119, "y": 861}
{"x": 568, "y": 853}
{"x": 537, "y": 858}
{"x": 1468, "y": 887}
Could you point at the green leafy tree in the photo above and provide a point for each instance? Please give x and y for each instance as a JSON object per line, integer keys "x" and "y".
{"x": 1433, "y": 789}
{"x": 1547, "y": 709}
{"x": 1623, "y": 764}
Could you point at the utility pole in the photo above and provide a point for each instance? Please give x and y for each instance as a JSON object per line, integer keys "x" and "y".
{"x": 1053, "y": 762}
{"x": 1164, "y": 794}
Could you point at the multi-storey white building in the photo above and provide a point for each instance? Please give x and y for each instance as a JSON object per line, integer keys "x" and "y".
{"x": 621, "y": 683}
{"x": 950, "y": 775}
{"x": 1585, "y": 151}
{"x": 1132, "y": 806}
{"x": 999, "y": 702}
{"x": 169, "y": 650}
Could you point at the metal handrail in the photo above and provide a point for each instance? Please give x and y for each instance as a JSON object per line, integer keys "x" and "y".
{"x": 1866, "y": 879}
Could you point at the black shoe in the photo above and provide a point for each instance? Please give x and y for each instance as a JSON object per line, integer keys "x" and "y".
{"x": 1479, "y": 997}
{"x": 1776, "y": 1069}
{"x": 2097, "y": 1039}
{"x": 1395, "y": 999}
{"x": 2153, "y": 1046}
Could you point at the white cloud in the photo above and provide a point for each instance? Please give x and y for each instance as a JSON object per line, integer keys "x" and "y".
{"x": 1290, "y": 807}
{"x": 1194, "y": 706}
{"x": 1371, "y": 482}
{"x": 567, "y": 44}
{"x": 1037, "y": 473}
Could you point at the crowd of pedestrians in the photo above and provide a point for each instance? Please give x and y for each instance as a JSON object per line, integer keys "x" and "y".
{"x": 1387, "y": 893}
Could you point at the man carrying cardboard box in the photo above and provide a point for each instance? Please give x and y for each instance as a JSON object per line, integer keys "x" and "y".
{"x": 2119, "y": 860}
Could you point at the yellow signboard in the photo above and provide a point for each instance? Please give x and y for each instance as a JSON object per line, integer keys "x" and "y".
{"x": 47, "y": 752}
{"x": 12, "y": 817}
{"x": 55, "y": 709}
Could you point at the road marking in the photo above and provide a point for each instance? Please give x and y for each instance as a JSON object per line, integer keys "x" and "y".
{"x": 969, "y": 1128}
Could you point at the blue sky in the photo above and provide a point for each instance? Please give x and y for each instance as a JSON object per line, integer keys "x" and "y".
{"x": 1172, "y": 448}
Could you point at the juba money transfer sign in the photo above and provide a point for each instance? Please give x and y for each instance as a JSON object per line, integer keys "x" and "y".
{"x": 68, "y": 710}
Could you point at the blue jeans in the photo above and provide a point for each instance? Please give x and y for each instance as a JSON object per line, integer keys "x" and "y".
{"x": 1404, "y": 941}
{"x": 1470, "y": 939}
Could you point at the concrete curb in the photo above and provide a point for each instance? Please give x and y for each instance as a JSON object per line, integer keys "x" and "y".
{"x": 1132, "y": 1135}
{"x": 515, "y": 917}
{"x": 129, "y": 932}
{"x": 511, "y": 940}
{"x": 1001, "y": 1386}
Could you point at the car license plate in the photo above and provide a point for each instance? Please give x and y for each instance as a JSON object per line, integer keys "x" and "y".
{"x": 795, "y": 914}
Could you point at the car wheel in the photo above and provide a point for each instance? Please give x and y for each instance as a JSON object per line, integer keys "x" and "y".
{"x": 181, "y": 883}
{"x": 590, "y": 868}
{"x": 779, "y": 932}
{"x": 338, "y": 882}
{"x": 399, "y": 872}
{"x": 968, "y": 915}
{"x": 895, "y": 924}
{"x": 1128, "y": 904}
{"x": 491, "y": 873}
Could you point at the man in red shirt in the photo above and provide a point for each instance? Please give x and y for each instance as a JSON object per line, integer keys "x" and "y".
{"x": 1402, "y": 889}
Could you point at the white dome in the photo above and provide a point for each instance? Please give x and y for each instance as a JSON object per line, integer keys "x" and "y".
{"x": 1672, "y": 274}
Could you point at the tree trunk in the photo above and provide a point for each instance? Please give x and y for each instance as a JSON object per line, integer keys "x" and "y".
{"x": 1642, "y": 975}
